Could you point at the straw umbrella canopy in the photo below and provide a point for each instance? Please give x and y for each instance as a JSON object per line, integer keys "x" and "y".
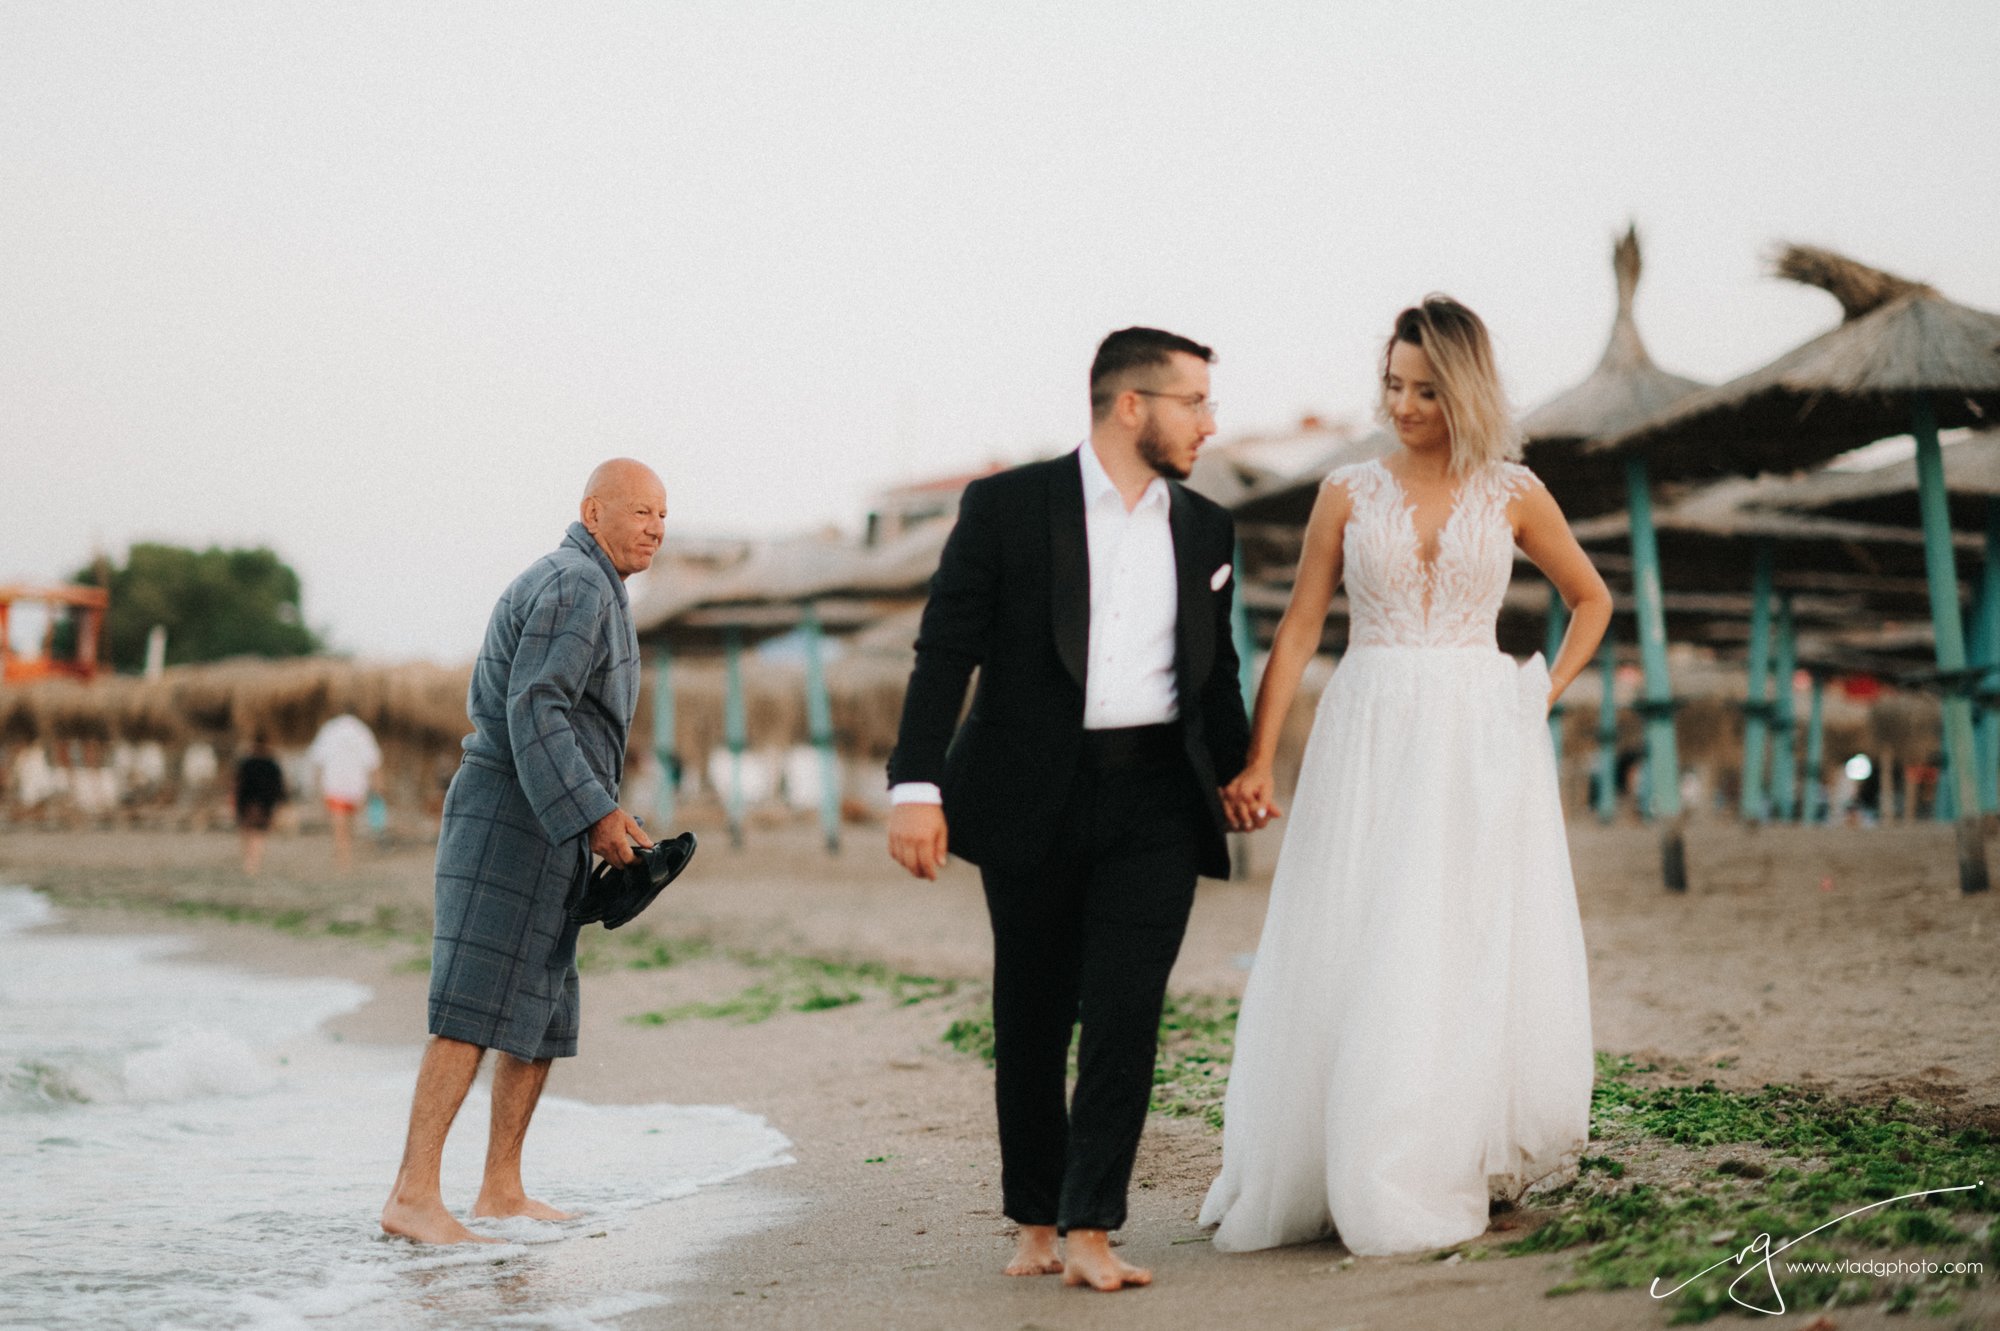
{"x": 810, "y": 585}
{"x": 850, "y": 586}
{"x": 1837, "y": 574}
{"x": 1888, "y": 495}
{"x": 1893, "y": 494}
{"x": 1271, "y": 515}
{"x": 1857, "y": 588}
{"x": 1221, "y": 475}
{"x": 1626, "y": 390}
{"x": 1903, "y": 360}
{"x": 1897, "y": 341}
{"x": 1709, "y": 537}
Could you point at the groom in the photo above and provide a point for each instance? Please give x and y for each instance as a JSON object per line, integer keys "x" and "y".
{"x": 1092, "y": 592}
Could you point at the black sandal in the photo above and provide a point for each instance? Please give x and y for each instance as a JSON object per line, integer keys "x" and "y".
{"x": 615, "y": 895}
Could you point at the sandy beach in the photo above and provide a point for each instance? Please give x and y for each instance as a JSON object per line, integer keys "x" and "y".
{"x": 816, "y": 991}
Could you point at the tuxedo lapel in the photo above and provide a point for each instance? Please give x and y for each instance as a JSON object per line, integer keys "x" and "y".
{"x": 1194, "y": 621}
{"x": 1069, "y": 568}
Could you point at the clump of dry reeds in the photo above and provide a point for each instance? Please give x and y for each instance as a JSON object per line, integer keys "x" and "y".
{"x": 228, "y": 702}
{"x": 1859, "y": 288}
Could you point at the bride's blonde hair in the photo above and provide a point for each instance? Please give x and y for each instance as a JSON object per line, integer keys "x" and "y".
{"x": 1468, "y": 382}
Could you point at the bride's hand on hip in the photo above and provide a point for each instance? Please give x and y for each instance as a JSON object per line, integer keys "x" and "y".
{"x": 1250, "y": 800}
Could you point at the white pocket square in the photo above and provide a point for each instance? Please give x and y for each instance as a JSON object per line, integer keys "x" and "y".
{"x": 1217, "y": 579}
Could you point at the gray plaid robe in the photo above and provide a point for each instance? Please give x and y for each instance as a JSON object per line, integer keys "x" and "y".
{"x": 551, "y": 703}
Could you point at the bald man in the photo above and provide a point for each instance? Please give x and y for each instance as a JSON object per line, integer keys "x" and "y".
{"x": 535, "y": 796}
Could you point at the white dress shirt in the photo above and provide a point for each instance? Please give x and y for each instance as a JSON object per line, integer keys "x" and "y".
{"x": 1134, "y": 607}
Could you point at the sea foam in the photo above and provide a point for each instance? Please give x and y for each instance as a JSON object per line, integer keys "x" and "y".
{"x": 181, "y": 1147}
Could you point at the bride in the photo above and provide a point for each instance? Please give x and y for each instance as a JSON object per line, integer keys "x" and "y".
{"x": 1418, "y": 1019}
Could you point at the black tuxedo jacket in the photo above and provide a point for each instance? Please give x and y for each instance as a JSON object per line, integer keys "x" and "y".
{"x": 1012, "y": 597}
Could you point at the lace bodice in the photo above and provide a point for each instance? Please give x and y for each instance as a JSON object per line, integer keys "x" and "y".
{"x": 1395, "y": 598}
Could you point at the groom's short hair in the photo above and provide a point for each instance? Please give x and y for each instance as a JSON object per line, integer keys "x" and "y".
{"x": 1130, "y": 352}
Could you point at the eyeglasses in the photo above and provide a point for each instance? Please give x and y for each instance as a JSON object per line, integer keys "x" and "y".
{"x": 1195, "y": 402}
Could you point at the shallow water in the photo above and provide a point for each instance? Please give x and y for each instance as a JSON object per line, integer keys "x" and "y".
{"x": 180, "y": 1146}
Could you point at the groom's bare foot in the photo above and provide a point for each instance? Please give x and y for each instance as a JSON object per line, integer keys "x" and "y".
{"x": 426, "y": 1222}
{"x": 1091, "y": 1262}
{"x": 506, "y": 1206}
{"x": 1035, "y": 1253}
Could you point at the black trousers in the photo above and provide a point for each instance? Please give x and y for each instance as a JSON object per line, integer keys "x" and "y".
{"x": 1089, "y": 935}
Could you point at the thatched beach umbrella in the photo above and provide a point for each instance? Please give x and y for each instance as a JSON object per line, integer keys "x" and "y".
{"x": 1892, "y": 494}
{"x": 1842, "y": 572}
{"x": 1270, "y": 531}
{"x": 811, "y": 585}
{"x": 1625, "y": 390}
{"x": 1888, "y": 494}
{"x": 1904, "y": 360}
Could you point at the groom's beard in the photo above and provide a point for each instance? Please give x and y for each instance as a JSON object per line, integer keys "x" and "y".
{"x": 1153, "y": 451}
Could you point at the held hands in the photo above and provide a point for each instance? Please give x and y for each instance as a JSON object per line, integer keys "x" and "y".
{"x": 917, "y": 838}
{"x": 1250, "y": 800}
{"x": 612, "y": 836}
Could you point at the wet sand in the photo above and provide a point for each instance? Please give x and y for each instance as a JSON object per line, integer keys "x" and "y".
{"x": 1840, "y": 959}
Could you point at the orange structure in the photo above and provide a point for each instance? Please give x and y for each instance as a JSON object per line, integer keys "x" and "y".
{"x": 86, "y": 604}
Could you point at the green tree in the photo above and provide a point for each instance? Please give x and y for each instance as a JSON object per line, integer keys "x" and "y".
{"x": 214, "y": 603}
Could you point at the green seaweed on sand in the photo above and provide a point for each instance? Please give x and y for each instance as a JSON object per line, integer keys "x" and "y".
{"x": 638, "y": 949}
{"x": 1681, "y": 1176}
{"x": 973, "y": 1035}
{"x": 757, "y": 1003}
{"x": 1779, "y": 1161}
{"x": 804, "y": 984}
{"x": 1190, "y": 1072}
{"x": 385, "y": 924}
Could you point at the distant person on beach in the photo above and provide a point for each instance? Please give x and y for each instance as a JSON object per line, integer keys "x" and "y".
{"x": 345, "y": 756}
{"x": 260, "y": 789}
{"x": 536, "y": 794}
{"x": 1093, "y": 594}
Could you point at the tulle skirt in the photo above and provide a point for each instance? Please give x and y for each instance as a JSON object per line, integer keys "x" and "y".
{"x": 1416, "y": 1027}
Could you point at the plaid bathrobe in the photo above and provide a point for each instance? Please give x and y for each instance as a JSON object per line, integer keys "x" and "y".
{"x": 551, "y": 704}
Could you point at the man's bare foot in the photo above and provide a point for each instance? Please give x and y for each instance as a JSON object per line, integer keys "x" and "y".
{"x": 426, "y": 1223}
{"x": 1091, "y": 1262}
{"x": 506, "y": 1208}
{"x": 1035, "y": 1253}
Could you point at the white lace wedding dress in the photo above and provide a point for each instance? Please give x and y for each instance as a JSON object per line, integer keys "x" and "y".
{"x": 1418, "y": 1017}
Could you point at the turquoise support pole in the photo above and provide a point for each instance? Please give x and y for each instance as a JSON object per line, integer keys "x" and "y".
{"x": 1814, "y": 808}
{"x": 1784, "y": 719}
{"x": 1757, "y": 708}
{"x": 1552, "y": 643}
{"x": 1663, "y": 767}
{"x": 735, "y": 731}
{"x": 663, "y": 739}
{"x": 819, "y": 723}
{"x": 1607, "y": 733}
{"x": 1950, "y": 638}
{"x": 1240, "y": 635}
{"x": 1986, "y": 652}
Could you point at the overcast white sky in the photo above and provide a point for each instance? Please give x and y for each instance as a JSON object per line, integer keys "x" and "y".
{"x": 377, "y": 284}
